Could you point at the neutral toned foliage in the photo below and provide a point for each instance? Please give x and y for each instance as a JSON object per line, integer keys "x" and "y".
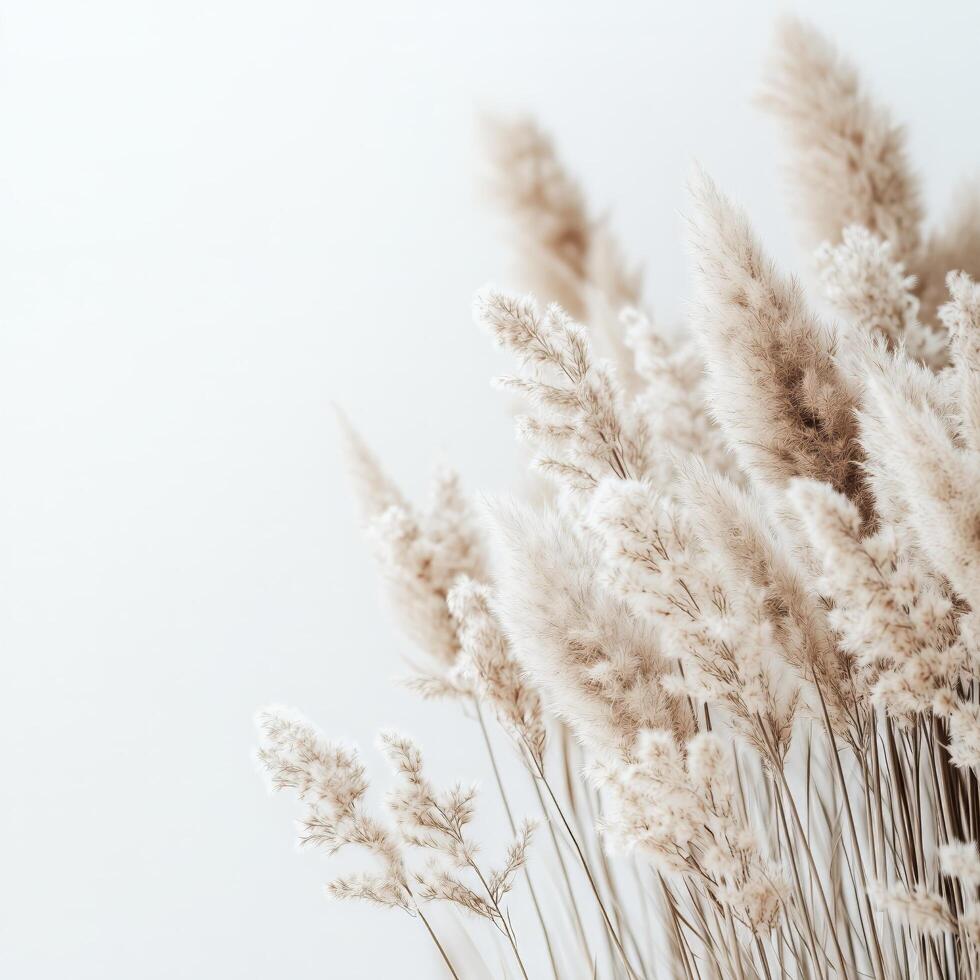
{"x": 735, "y": 649}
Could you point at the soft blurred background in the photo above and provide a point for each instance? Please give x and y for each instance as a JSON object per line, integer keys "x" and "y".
{"x": 218, "y": 219}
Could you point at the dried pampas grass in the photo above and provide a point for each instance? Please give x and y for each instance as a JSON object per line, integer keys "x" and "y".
{"x": 736, "y": 652}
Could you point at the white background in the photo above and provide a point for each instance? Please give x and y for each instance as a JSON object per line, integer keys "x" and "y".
{"x": 217, "y": 218}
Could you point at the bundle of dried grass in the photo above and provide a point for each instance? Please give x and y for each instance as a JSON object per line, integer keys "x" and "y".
{"x": 737, "y": 654}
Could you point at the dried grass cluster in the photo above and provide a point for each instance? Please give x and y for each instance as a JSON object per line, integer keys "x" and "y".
{"x": 735, "y": 642}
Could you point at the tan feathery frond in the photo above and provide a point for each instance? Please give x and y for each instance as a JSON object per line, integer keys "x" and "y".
{"x": 774, "y": 385}
{"x": 596, "y": 664}
{"x": 938, "y": 482}
{"x": 733, "y": 523}
{"x": 873, "y": 293}
{"x": 896, "y": 624}
{"x": 374, "y": 489}
{"x": 674, "y": 401}
{"x": 582, "y": 420}
{"x": 545, "y": 205}
{"x": 717, "y": 628}
{"x": 954, "y": 246}
{"x": 500, "y": 679}
{"x": 849, "y": 163}
{"x": 566, "y": 255}
{"x": 961, "y": 316}
{"x": 420, "y": 550}
{"x": 330, "y": 779}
